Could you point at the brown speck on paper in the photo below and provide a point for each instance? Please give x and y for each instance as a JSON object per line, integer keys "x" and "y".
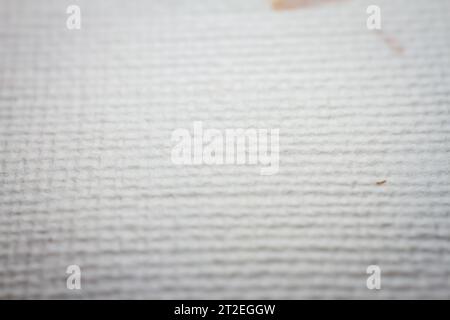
{"x": 391, "y": 42}
{"x": 379, "y": 183}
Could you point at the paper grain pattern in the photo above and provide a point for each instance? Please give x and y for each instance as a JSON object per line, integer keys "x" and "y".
{"x": 86, "y": 177}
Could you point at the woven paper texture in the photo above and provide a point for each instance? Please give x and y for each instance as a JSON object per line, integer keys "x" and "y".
{"x": 86, "y": 175}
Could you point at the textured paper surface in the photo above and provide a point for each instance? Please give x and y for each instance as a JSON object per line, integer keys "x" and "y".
{"x": 86, "y": 177}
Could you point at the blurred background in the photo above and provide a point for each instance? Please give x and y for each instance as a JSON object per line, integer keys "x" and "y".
{"x": 86, "y": 177}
